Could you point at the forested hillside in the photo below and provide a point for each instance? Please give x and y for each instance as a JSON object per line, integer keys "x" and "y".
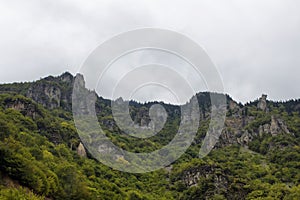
{"x": 42, "y": 157}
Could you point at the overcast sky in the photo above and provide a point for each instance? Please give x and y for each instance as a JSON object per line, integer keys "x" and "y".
{"x": 254, "y": 43}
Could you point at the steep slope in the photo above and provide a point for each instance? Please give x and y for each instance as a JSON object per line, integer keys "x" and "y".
{"x": 257, "y": 156}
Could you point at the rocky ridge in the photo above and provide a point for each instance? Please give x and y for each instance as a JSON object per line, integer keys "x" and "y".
{"x": 56, "y": 92}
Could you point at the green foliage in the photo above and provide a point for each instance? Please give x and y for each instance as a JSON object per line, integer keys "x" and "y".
{"x": 39, "y": 153}
{"x": 18, "y": 193}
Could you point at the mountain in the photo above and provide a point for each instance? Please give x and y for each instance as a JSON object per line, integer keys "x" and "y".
{"x": 256, "y": 157}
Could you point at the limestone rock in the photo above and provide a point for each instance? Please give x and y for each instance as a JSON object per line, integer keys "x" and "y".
{"x": 278, "y": 126}
{"x": 264, "y": 129}
{"x": 262, "y": 103}
{"x": 192, "y": 176}
{"x": 66, "y": 77}
{"x": 46, "y": 94}
{"x": 53, "y": 92}
{"x": 79, "y": 81}
{"x": 81, "y": 150}
{"x": 27, "y": 108}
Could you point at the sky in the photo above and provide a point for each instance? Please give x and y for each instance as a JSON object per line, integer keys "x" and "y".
{"x": 255, "y": 44}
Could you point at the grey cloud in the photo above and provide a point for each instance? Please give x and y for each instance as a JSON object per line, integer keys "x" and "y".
{"x": 255, "y": 44}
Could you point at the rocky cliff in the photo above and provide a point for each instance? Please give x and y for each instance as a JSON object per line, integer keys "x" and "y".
{"x": 242, "y": 122}
{"x": 259, "y": 129}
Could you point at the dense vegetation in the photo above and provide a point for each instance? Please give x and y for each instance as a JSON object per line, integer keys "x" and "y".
{"x": 38, "y": 157}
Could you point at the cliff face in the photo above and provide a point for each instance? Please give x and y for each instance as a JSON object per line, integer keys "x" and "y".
{"x": 26, "y": 107}
{"x": 53, "y": 92}
{"x": 237, "y": 131}
{"x": 242, "y": 123}
{"x": 47, "y": 95}
{"x": 245, "y": 123}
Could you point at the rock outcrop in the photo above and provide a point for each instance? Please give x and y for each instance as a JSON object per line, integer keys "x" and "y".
{"x": 53, "y": 92}
{"x": 81, "y": 150}
{"x": 206, "y": 173}
{"x": 45, "y": 94}
{"x": 262, "y": 103}
{"x": 276, "y": 127}
{"x": 242, "y": 125}
{"x": 25, "y": 106}
{"x": 236, "y": 133}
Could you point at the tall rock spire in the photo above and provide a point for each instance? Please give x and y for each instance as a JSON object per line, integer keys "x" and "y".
{"x": 262, "y": 103}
